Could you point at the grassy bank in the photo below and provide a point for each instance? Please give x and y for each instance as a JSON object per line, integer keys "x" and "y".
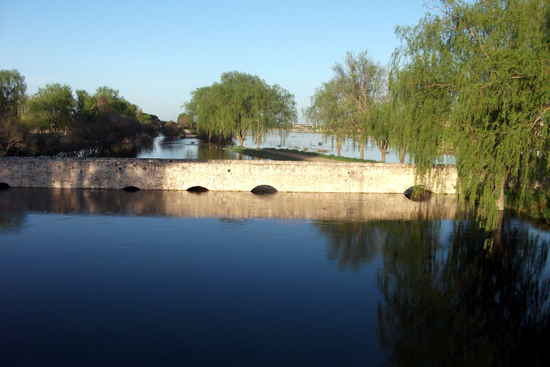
{"x": 534, "y": 205}
{"x": 291, "y": 154}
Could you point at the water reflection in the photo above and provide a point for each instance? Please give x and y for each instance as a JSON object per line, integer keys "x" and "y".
{"x": 318, "y": 206}
{"x": 192, "y": 148}
{"x": 234, "y": 286}
{"x": 352, "y": 243}
{"x": 187, "y": 149}
{"x": 448, "y": 301}
{"x": 11, "y": 220}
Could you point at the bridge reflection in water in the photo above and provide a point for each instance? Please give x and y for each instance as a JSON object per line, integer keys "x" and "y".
{"x": 315, "y": 206}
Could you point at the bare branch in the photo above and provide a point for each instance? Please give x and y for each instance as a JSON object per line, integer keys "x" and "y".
{"x": 541, "y": 115}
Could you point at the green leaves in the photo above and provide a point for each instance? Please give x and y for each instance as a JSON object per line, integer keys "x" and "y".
{"x": 352, "y": 104}
{"x": 51, "y": 108}
{"x": 12, "y": 92}
{"x": 239, "y": 105}
{"x": 475, "y": 78}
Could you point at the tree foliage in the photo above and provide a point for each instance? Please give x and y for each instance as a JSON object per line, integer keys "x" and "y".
{"x": 352, "y": 104}
{"x": 53, "y": 121}
{"x": 240, "y": 104}
{"x": 106, "y": 123}
{"x": 363, "y": 83}
{"x": 12, "y": 101}
{"x": 474, "y": 78}
{"x": 327, "y": 113}
{"x": 52, "y": 108}
{"x": 12, "y": 92}
{"x": 12, "y": 134}
{"x": 172, "y": 130}
{"x": 110, "y": 97}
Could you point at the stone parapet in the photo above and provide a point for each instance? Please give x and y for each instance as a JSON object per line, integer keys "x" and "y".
{"x": 219, "y": 175}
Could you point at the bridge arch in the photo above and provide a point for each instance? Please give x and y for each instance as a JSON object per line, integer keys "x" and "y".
{"x": 4, "y": 186}
{"x": 197, "y": 189}
{"x": 131, "y": 188}
{"x": 264, "y": 190}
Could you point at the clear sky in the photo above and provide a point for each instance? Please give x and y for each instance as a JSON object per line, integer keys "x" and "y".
{"x": 157, "y": 52}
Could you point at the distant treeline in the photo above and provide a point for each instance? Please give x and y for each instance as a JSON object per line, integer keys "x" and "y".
{"x": 54, "y": 121}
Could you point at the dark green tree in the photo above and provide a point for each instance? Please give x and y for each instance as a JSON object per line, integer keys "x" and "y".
{"x": 12, "y": 101}
{"x": 12, "y": 92}
{"x": 171, "y": 130}
{"x": 110, "y": 97}
{"x": 106, "y": 124}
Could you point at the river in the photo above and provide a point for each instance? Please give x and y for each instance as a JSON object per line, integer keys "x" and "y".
{"x": 105, "y": 277}
{"x": 312, "y": 142}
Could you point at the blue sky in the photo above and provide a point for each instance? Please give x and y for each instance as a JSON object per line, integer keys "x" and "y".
{"x": 157, "y": 52}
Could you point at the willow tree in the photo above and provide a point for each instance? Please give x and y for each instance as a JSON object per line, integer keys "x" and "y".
{"x": 474, "y": 77}
{"x": 239, "y": 105}
{"x": 204, "y": 110}
{"x": 328, "y": 113}
{"x": 275, "y": 110}
{"x": 351, "y": 104}
{"x": 363, "y": 84}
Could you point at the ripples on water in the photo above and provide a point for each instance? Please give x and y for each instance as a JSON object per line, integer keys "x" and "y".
{"x": 98, "y": 277}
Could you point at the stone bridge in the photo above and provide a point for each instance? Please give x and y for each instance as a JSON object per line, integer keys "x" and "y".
{"x": 218, "y": 175}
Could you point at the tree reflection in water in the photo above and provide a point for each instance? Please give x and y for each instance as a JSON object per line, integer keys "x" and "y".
{"x": 353, "y": 243}
{"x": 11, "y": 221}
{"x": 450, "y": 301}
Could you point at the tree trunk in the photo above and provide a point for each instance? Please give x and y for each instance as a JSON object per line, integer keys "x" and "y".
{"x": 383, "y": 152}
{"x": 500, "y": 200}
{"x": 402, "y": 155}
{"x": 220, "y": 136}
{"x": 338, "y": 146}
{"x": 258, "y": 134}
{"x": 362, "y": 151}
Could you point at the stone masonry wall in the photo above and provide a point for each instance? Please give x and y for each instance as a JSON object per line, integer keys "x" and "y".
{"x": 218, "y": 175}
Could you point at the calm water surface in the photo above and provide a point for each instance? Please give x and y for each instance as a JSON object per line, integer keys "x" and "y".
{"x": 312, "y": 142}
{"x": 98, "y": 277}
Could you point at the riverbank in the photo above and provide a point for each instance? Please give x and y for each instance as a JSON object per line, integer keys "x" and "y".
{"x": 189, "y": 134}
{"x": 293, "y": 155}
